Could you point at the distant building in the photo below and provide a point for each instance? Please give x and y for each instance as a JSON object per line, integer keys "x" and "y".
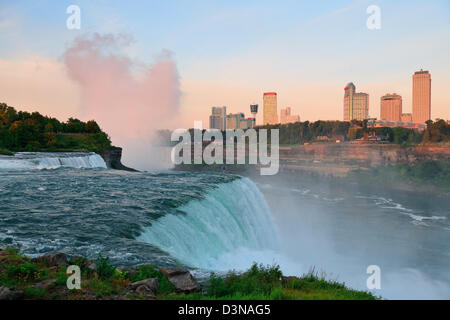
{"x": 270, "y": 108}
{"x": 406, "y": 117}
{"x": 247, "y": 123}
{"x": 393, "y": 124}
{"x": 421, "y": 109}
{"x": 356, "y": 105}
{"x": 286, "y": 117}
{"x": 391, "y": 107}
{"x": 218, "y": 118}
{"x": 239, "y": 121}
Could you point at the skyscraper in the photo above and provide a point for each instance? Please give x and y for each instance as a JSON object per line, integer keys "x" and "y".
{"x": 391, "y": 107}
{"x": 218, "y": 118}
{"x": 421, "y": 109}
{"x": 286, "y": 117}
{"x": 356, "y": 105}
{"x": 270, "y": 108}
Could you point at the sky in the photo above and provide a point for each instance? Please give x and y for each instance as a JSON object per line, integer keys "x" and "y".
{"x": 224, "y": 53}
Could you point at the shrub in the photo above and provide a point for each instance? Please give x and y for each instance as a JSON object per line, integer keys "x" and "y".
{"x": 25, "y": 272}
{"x": 104, "y": 269}
{"x": 258, "y": 280}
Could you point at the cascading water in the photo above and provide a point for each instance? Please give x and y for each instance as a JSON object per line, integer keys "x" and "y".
{"x": 31, "y": 161}
{"x": 232, "y": 218}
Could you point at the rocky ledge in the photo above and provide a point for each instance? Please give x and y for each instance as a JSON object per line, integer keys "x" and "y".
{"x": 45, "y": 277}
{"x": 113, "y": 159}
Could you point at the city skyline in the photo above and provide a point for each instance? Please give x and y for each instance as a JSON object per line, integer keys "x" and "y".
{"x": 299, "y": 54}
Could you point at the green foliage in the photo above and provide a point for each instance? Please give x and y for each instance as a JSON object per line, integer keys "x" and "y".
{"x": 104, "y": 269}
{"x": 306, "y": 132}
{"x": 61, "y": 278}
{"x": 25, "y": 272}
{"x": 438, "y": 131}
{"x": 146, "y": 272}
{"x": 259, "y": 280}
{"x": 34, "y": 293}
{"x": 22, "y": 131}
{"x": 5, "y": 152}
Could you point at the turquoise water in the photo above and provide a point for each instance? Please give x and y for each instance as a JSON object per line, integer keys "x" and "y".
{"x": 213, "y": 221}
{"x": 160, "y": 218}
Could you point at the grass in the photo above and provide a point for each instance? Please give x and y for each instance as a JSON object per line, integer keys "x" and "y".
{"x": 107, "y": 282}
{"x": 267, "y": 283}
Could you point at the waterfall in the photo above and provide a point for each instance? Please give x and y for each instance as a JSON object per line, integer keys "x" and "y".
{"x": 40, "y": 160}
{"x": 234, "y": 217}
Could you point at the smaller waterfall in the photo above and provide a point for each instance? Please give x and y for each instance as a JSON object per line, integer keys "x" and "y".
{"x": 40, "y": 160}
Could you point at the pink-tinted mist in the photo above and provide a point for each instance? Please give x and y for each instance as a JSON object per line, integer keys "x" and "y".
{"x": 127, "y": 98}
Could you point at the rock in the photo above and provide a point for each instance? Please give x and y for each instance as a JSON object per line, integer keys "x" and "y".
{"x": 10, "y": 294}
{"x": 46, "y": 284}
{"x": 145, "y": 291}
{"x": 113, "y": 157}
{"x": 152, "y": 284}
{"x": 181, "y": 279}
{"x": 52, "y": 260}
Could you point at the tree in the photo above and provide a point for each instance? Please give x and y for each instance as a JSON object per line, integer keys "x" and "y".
{"x": 92, "y": 127}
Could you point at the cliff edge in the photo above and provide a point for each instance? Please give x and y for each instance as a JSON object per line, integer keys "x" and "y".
{"x": 113, "y": 157}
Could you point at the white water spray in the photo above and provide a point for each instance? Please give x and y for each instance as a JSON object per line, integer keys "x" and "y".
{"x": 232, "y": 218}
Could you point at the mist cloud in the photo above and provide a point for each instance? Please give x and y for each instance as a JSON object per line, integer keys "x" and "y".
{"x": 129, "y": 99}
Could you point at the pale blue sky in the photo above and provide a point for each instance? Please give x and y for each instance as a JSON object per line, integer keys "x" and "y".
{"x": 268, "y": 44}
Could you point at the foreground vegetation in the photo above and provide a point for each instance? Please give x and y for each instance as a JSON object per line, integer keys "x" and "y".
{"x": 24, "y": 131}
{"x": 101, "y": 280}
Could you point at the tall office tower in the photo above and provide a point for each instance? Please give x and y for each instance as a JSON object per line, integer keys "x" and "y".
{"x": 218, "y": 118}
{"x": 270, "y": 108}
{"x": 356, "y": 105}
{"x": 391, "y": 107}
{"x": 421, "y": 109}
{"x": 286, "y": 117}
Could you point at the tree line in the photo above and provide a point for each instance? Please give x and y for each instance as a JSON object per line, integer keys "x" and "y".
{"x": 307, "y": 132}
{"x": 24, "y": 131}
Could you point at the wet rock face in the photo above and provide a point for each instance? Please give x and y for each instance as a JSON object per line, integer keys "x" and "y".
{"x": 113, "y": 159}
{"x": 181, "y": 279}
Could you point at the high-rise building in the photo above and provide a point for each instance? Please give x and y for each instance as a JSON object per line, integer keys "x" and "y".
{"x": 270, "y": 108}
{"x": 407, "y": 117}
{"x": 391, "y": 107}
{"x": 286, "y": 117}
{"x": 218, "y": 118}
{"x": 356, "y": 105}
{"x": 239, "y": 121}
{"x": 421, "y": 109}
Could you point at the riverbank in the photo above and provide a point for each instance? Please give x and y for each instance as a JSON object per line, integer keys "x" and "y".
{"x": 45, "y": 277}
